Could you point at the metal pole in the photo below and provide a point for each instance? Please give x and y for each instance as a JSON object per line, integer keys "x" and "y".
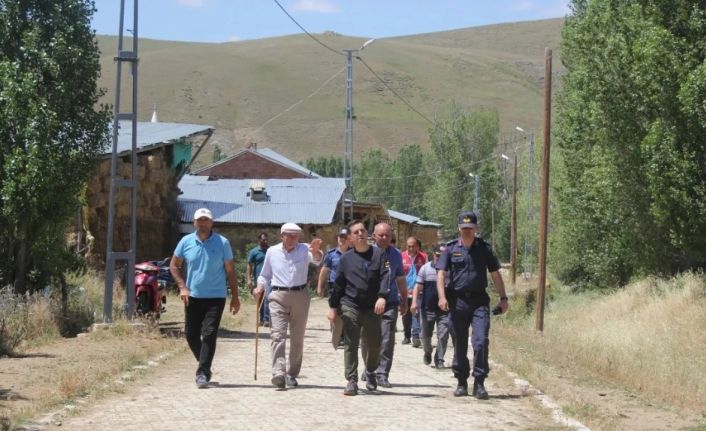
{"x": 544, "y": 203}
{"x": 513, "y": 229}
{"x": 348, "y": 151}
{"x": 528, "y": 244}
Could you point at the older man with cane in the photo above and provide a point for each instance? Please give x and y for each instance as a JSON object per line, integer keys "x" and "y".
{"x": 285, "y": 269}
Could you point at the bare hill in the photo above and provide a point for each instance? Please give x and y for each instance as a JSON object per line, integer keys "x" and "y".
{"x": 239, "y": 86}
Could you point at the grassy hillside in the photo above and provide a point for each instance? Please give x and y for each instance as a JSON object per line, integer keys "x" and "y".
{"x": 238, "y": 86}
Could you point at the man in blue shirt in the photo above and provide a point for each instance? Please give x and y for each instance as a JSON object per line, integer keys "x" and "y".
{"x": 466, "y": 262}
{"x": 327, "y": 276}
{"x": 256, "y": 257}
{"x": 209, "y": 259}
{"x": 398, "y": 289}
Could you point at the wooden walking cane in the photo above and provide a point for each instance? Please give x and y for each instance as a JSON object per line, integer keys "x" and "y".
{"x": 260, "y": 300}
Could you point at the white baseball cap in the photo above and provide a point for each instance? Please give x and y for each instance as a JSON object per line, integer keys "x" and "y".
{"x": 290, "y": 228}
{"x": 203, "y": 212}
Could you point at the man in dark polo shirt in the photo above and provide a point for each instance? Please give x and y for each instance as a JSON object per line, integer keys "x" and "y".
{"x": 361, "y": 291}
{"x": 466, "y": 262}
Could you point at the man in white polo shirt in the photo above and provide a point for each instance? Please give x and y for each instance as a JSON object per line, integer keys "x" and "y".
{"x": 285, "y": 269}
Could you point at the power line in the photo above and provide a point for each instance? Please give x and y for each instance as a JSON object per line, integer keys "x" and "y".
{"x": 301, "y": 100}
{"x": 433, "y": 173}
{"x": 393, "y": 90}
{"x": 305, "y": 31}
{"x": 455, "y": 187}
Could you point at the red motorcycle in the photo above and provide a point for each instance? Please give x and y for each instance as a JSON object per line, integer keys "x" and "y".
{"x": 149, "y": 291}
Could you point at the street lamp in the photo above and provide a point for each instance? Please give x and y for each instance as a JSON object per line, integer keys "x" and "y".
{"x": 348, "y": 146}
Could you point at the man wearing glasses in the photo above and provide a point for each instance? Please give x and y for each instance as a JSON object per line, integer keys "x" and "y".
{"x": 361, "y": 291}
{"x": 466, "y": 262}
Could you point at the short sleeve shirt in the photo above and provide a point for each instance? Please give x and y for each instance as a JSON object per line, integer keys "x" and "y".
{"x": 394, "y": 258}
{"x": 331, "y": 262}
{"x": 256, "y": 257}
{"x": 205, "y": 264}
{"x": 468, "y": 267}
{"x": 427, "y": 278}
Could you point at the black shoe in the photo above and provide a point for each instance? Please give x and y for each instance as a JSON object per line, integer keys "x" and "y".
{"x": 406, "y": 340}
{"x": 208, "y": 376}
{"x": 427, "y": 358}
{"x": 201, "y": 381}
{"x": 439, "y": 364}
{"x": 382, "y": 381}
{"x": 292, "y": 382}
{"x": 371, "y": 383}
{"x": 363, "y": 377}
{"x": 351, "y": 388}
{"x": 416, "y": 342}
{"x": 278, "y": 382}
{"x": 479, "y": 390}
{"x": 461, "y": 391}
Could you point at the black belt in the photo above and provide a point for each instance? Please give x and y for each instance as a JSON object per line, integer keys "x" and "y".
{"x": 300, "y": 287}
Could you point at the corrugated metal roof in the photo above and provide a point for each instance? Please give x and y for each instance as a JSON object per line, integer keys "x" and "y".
{"x": 274, "y": 155}
{"x": 411, "y": 219}
{"x": 301, "y": 200}
{"x": 152, "y": 135}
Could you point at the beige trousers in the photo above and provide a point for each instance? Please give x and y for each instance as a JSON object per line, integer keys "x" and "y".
{"x": 288, "y": 309}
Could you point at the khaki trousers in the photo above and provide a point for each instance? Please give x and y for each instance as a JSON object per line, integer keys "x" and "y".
{"x": 288, "y": 309}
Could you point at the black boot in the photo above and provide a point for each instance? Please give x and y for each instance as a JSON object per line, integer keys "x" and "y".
{"x": 461, "y": 389}
{"x": 479, "y": 390}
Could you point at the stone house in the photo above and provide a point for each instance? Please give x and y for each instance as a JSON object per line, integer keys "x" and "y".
{"x": 164, "y": 152}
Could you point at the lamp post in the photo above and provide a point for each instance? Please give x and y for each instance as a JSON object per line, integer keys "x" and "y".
{"x": 513, "y": 220}
{"x": 348, "y": 146}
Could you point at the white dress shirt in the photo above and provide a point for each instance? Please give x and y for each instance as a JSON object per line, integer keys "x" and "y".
{"x": 286, "y": 269}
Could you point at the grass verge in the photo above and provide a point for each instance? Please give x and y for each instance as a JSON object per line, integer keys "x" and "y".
{"x": 646, "y": 339}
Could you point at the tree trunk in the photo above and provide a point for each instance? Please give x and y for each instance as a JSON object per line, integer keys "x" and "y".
{"x": 20, "y": 283}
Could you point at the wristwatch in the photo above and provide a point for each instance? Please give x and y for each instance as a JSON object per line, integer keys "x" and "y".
{"x": 503, "y": 298}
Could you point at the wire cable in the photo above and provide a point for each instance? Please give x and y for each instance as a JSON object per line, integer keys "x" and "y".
{"x": 393, "y": 90}
{"x": 301, "y": 100}
{"x": 305, "y": 31}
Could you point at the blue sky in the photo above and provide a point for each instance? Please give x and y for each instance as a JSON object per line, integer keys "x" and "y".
{"x": 233, "y": 20}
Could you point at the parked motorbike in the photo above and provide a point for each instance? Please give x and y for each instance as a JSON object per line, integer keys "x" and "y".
{"x": 149, "y": 291}
{"x": 165, "y": 276}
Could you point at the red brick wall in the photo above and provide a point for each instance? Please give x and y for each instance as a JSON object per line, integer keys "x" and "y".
{"x": 249, "y": 165}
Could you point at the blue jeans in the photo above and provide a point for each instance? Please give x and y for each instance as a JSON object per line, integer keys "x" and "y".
{"x": 410, "y": 322}
{"x": 265, "y": 307}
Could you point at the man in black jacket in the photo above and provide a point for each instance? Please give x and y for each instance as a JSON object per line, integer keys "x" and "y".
{"x": 361, "y": 291}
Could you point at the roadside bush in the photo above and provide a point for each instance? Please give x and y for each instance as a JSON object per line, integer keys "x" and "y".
{"x": 13, "y": 318}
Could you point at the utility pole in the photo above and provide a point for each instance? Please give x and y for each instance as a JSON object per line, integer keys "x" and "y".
{"x": 544, "y": 203}
{"x": 528, "y": 237}
{"x": 348, "y": 145}
{"x": 513, "y": 228}
{"x": 111, "y": 256}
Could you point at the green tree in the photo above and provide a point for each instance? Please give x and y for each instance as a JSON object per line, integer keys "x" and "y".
{"x": 51, "y": 134}
{"x": 217, "y": 154}
{"x": 371, "y": 182}
{"x": 463, "y": 143}
{"x": 632, "y": 191}
{"x": 409, "y": 181}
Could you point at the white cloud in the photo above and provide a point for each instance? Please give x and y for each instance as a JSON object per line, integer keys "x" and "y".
{"x": 317, "y": 6}
{"x": 234, "y": 39}
{"x": 191, "y": 3}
